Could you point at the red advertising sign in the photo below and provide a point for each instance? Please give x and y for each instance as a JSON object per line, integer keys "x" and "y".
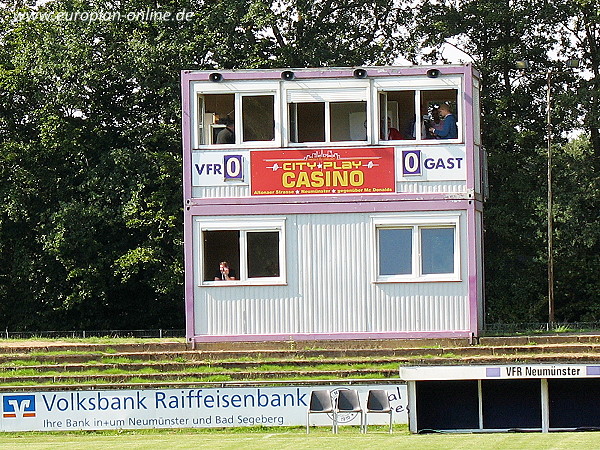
{"x": 322, "y": 171}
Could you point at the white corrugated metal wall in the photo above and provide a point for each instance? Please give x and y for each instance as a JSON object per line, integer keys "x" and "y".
{"x": 330, "y": 288}
{"x": 413, "y": 187}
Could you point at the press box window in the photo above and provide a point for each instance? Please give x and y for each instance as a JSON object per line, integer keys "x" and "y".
{"x": 215, "y": 110}
{"x": 437, "y": 250}
{"x": 395, "y": 255}
{"x": 258, "y": 118}
{"x": 347, "y": 122}
{"x": 218, "y": 111}
{"x": 254, "y": 255}
{"x": 307, "y": 122}
{"x": 408, "y": 114}
{"x": 327, "y": 115}
{"x": 417, "y": 253}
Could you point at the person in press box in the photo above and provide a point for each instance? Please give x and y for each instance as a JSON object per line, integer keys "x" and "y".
{"x": 225, "y": 272}
{"x": 227, "y": 134}
{"x": 449, "y": 130}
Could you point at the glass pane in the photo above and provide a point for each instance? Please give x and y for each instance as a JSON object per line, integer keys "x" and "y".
{"x": 348, "y": 121}
{"x": 258, "y": 117}
{"x": 221, "y": 246}
{"x": 395, "y": 251}
{"x": 437, "y": 248}
{"x": 263, "y": 254}
{"x": 307, "y": 122}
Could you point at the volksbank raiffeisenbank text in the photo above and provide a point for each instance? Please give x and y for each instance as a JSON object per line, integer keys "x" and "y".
{"x": 176, "y": 408}
{"x": 101, "y": 15}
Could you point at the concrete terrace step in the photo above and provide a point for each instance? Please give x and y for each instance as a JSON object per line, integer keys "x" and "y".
{"x": 33, "y": 346}
{"x": 227, "y": 367}
{"x": 241, "y": 375}
{"x": 174, "y": 366}
{"x": 55, "y": 362}
{"x": 23, "y": 347}
{"x": 233, "y": 365}
{"x": 313, "y": 355}
{"x": 308, "y": 372}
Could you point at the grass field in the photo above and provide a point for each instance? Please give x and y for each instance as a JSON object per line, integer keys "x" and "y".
{"x": 38, "y": 359}
{"x": 296, "y": 439}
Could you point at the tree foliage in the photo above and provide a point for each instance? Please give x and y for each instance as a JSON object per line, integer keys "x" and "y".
{"x": 494, "y": 35}
{"x": 91, "y": 221}
{"x": 90, "y": 217}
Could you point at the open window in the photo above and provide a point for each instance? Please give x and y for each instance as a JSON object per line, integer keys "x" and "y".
{"x": 411, "y": 114}
{"x": 217, "y": 117}
{"x": 216, "y": 111}
{"x": 397, "y": 115}
{"x": 418, "y": 249}
{"x": 255, "y": 252}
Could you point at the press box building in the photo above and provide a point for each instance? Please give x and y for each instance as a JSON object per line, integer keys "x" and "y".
{"x": 339, "y": 213}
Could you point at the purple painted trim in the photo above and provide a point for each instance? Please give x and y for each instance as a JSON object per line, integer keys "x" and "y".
{"x": 317, "y": 198}
{"x": 492, "y": 371}
{"x": 472, "y": 269}
{"x": 187, "y": 193}
{"x": 330, "y": 336}
{"x": 592, "y": 370}
{"x": 312, "y": 73}
{"x": 188, "y": 251}
{"x": 186, "y": 124}
{"x": 469, "y": 128}
{"x": 329, "y": 208}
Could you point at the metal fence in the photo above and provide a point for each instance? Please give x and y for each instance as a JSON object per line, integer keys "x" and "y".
{"x": 490, "y": 329}
{"x": 541, "y": 327}
{"x": 82, "y": 334}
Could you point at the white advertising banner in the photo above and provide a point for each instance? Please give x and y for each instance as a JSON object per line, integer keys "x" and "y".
{"x": 181, "y": 408}
{"x": 216, "y": 168}
{"x": 503, "y": 372}
{"x": 433, "y": 163}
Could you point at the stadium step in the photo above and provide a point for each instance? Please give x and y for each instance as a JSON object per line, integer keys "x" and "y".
{"x": 52, "y": 362}
{"x": 72, "y": 356}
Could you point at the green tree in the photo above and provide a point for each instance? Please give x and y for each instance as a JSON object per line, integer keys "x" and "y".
{"x": 90, "y": 126}
{"x": 494, "y": 35}
{"x": 91, "y": 223}
{"x": 577, "y": 233}
{"x": 90, "y": 218}
{"x": 577, "y": 184}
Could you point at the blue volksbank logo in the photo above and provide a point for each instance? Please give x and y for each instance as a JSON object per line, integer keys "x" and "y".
{"x": 18, "y": 406}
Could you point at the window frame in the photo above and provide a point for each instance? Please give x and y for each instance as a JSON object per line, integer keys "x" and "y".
{"x": 326, "y": 92}
{"x": 438, "y": 84}
{"x": 416, "y": 224}
{"x": 244, "y": 226}
{"x": 327, "y": 126}
{"x": 257, "y": 88}
{"x": 240, "y": 133}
